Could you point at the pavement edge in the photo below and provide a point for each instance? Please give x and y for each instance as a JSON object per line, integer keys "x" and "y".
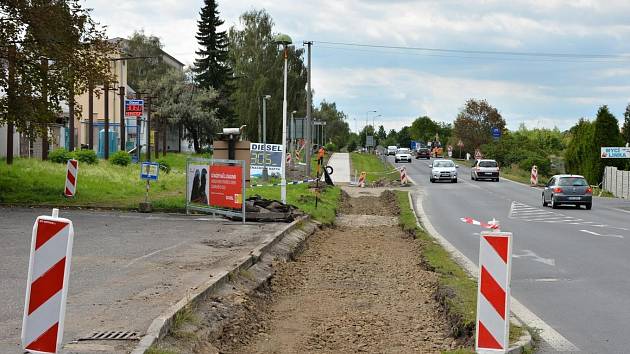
{"x": 525, "y": 341}
{"x": 161, "y": 325}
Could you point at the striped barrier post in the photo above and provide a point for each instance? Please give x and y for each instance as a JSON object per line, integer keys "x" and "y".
{"x": 493, "y": 292}
{"x": 534, "y": 177}
{"x": 362, "y": 179}
{"x": 288, "y": 159}
{"x": 72, "y": 169}
{"x": 47, "y": 285}
{"x": 403, "y": 176}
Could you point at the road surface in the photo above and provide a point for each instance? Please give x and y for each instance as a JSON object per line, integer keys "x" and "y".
{"x": 570, "y": 266}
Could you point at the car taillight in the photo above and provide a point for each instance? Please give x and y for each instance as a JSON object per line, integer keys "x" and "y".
{"x": 557, "y": 190}
{"x": 589, "y": 190}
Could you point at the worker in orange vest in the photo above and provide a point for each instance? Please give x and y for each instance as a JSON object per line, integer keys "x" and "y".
{"x": 320, "y": 158}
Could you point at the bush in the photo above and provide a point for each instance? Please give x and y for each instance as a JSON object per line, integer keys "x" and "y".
{"x": 86, "y": 156}
{"x": 331, "y": 147}
{"x": 543, "y": 164}
{"x": 60, "y": 155}
{"x": 164, "y": 165}
{"x": 120, "y": 158}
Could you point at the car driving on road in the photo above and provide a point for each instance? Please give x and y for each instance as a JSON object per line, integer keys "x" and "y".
{"x": 423, "y": 153}
{"x": 485, "y": 169}
{"x": 443, "y": 169}
{"x": 402, "y": 154}
{"x": 567, "y": 189}
{"x": 391, "y": 150}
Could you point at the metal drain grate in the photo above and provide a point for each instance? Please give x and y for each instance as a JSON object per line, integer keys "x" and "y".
{"x": 112, "y": 335}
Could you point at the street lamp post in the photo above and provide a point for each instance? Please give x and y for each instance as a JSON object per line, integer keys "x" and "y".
{"x": 265, "y": 173}
{"x": 284, "y": 40}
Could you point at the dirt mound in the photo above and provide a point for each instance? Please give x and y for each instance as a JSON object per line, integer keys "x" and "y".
{"x": 385, "y": 205}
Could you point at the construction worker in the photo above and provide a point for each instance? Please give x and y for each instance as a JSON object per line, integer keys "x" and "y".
{"x": 320, "y": 155}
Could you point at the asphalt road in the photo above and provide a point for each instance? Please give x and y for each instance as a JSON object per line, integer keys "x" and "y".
{"x": 570, "y": 266}
{"x": 127, "y": 268}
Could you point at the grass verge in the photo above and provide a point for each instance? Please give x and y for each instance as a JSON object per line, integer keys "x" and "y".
{"x": 375, "y": 168}
{"x": 456, "y": 292}
{"x": 301, "y": 196}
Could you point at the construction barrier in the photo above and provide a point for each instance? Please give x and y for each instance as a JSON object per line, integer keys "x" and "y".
{"x": 362, "y": 179}
{"x": 288, "y": 158}
{"x": 490, "y": 225}
{"x": 493, "y": 292}
{"x": 288, "y": 183}
{"x": 403, "y": 175}
{"x": 47, "y": 284}
{"x": 72, "y": 169}
{"x": 534, "y": 176}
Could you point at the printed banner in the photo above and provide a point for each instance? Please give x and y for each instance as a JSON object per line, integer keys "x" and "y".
{"x": 226, "y": 186}
{"x": 198, "y": 184}
{"x": 615, "y": 153}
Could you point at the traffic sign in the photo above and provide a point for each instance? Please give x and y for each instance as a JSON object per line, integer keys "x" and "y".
{"x": 149, "y": 171}
{"x": 450, "y": 151}
{"x": 478, "y": 155}
{"x": 134, "y": 108}
{"x": 496, "y": 132}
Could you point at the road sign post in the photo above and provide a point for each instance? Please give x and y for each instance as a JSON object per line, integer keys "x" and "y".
{"x": 72, "y": 170}
{"x": 493, "y": 292}
{"x": 534, "y": 176}
{"x": 47, "y": 285}
{"x": 148, "y": 171}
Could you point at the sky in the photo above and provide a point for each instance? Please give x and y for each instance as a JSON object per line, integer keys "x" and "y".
{"x": 402, "y": 84}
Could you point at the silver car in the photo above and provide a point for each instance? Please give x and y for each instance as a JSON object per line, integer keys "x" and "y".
{"x": 402, "y": 154}
{"x": 567, "y": 189}
{"x": 485, "y": 169}
{"x": 442, "y": 170}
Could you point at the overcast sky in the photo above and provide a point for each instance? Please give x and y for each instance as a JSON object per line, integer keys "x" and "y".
{"x": 402, "y": 84}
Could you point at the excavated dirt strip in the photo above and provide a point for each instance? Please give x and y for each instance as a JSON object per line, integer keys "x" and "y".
{"x": 354, "y": 289}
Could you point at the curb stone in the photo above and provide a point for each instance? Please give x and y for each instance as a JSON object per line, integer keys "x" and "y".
{"x": 525, "y": 341}
{"x": 163, "y": 323}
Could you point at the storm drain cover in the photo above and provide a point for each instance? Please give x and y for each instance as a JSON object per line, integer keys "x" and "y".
{"x": 112, "y": 335}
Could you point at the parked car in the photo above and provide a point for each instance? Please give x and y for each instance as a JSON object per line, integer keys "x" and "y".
{"x": 443, "y": 169}
{"x": 402, "y": 154}
{"x": 485, "y": 169}
{"x": 391, "y": 150}
{"x": 423, "y": 153}
{"x": 567, "y": 189}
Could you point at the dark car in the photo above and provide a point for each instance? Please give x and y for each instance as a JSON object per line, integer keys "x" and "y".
{"x": 567, "y": 189}
{"x": 423, "y": 153}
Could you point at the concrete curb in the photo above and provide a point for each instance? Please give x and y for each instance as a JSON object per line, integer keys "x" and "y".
{"x": 163, "y": 323}
{"x": 525, "y": 340}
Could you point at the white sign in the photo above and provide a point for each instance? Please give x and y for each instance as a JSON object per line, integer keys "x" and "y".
{"x": 269, "y": 156}
{"x": 615, "y": 153}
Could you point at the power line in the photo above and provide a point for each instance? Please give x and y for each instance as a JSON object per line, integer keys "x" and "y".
{"x": 483, "y": 52}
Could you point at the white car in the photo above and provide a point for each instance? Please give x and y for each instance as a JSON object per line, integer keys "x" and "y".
{"x": 391, "y": 150}
{"x": 486, "y": 169}
{"x": 402, "y": 154}
{"x": 443, "y": 169}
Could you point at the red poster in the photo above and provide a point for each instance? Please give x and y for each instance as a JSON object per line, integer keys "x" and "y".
{"x": 226, "y": 186}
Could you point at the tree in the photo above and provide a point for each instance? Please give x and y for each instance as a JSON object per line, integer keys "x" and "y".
{"x": 337, "y": 129}
{"x": 606, "y": 133}
{"x": 381, "y": 134}
{"x": 404, "y": 137}
{"x": 259, "y": 65}
{"x": 141, "y": 73}
{"x": 474, "y": 123}
{"x": 579, "y": 149}
{"x": 625, "y": 130}
{"x": 212, "y": 68}
{"x": 423, "y": 129}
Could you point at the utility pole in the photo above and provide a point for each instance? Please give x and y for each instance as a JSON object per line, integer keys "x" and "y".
{"x": 44, "y": 68}
{"x": 123, "y": 133}
{"x": 106, "y": 117}
{"x": 11, "y": 103}
{"x": 91, "y": 116}
{"x": 71, "y": 117}
{"x": 309, "y": 117}
{"x": 149, "y": 128}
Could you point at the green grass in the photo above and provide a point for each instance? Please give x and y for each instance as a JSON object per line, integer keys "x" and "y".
{"x": 36, "y": 182}
{"x": 459, "y": 291}
{"x": 374, "y": 167}
{"x": 302, "y": 197}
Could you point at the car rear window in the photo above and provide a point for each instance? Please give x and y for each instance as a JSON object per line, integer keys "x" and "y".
{"x": 487, "y": 164}
{"x": 444, "y": 164}
{"x": 572, "y": 181}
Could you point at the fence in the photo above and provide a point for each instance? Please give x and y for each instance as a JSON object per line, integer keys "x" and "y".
{"x": 616, "y": 182}
{"x": 216, "y": 186}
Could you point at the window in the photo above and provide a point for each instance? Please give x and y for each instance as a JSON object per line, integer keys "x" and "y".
{"x": 488, "y": 164}
{"x": 572, "y": 181}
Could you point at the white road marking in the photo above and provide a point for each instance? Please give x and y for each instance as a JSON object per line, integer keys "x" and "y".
{"x": 546, "y": 332}
{"x": 546, "y": 280}
{"x": 530, "y": 254}
{"x": 153, "y": 253}
{"x": 597, "y": 234}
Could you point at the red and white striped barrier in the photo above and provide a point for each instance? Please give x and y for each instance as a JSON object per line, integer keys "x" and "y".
{"x": 403, "y": 176}
{"x": 362, "y": 179}
{"x": 47, "y": 286}
{"x": 288, "y": 158}
{"x": 534, "y": 177}
{"x": 493, "y": 224}
{"x": 72, "y": 170}
{"x": 493, "y": 293}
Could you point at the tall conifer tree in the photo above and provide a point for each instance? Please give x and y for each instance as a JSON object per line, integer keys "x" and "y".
{"x": 211, "y": 68}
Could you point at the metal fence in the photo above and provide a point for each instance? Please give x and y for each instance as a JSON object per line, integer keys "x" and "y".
{"x": 198, "y": 181}
{"x": 616, "y": 182}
